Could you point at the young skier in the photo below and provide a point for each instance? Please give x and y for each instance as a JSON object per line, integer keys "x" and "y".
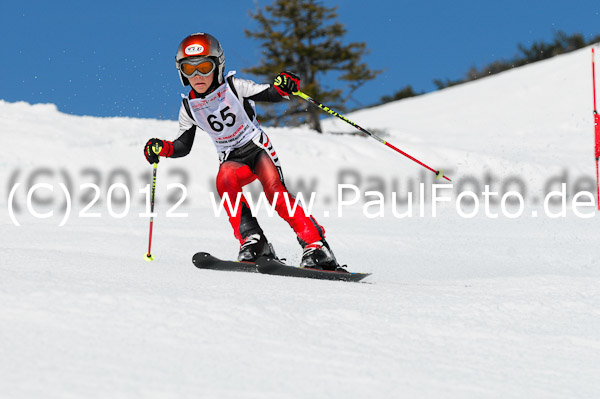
{"x": 223, "y": 106}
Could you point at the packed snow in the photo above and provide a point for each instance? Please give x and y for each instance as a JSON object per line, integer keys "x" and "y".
{"x": 479, "y": 307}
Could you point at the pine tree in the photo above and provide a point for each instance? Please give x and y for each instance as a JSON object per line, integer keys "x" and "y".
{"x": 301, "y": 36}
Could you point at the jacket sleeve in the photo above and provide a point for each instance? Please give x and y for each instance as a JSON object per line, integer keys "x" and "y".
{"x": 187, "y": 132}
{"x": 269, "y": 95}
{"x": 256, "y": 92}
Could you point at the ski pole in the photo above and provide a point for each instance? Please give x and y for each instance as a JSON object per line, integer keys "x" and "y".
{"x": 438, "y": 173}
{"x": 596, "y": 130}
{"x": 149, "y": 257}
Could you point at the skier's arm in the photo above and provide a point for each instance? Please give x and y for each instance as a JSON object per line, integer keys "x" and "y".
{"x": 285, "y": 84}
{"x": 269, "y": 95}
{"x": 183, "y": 144}
{"x": 247, "y": 89}
{"x": 187, "y": 129}
{"x": 180, "y": 147}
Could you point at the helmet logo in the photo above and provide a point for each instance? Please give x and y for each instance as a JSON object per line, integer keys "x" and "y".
{"x": 194, "y": 49}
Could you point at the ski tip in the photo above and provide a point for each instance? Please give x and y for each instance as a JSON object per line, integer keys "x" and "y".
{"x": 199, "y": 256}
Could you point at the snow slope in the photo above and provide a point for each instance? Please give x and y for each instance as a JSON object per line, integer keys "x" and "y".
{"x": 482, "y": 307}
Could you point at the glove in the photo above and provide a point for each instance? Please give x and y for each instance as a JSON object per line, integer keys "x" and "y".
{"x": 156, "y": 147}
{"x": 287, "y": 83}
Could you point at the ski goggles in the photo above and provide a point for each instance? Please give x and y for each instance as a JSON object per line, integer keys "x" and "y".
{"x": 202, "y": 67}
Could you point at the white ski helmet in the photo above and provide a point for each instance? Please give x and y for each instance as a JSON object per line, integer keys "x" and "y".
{"x": 201, "y": 45}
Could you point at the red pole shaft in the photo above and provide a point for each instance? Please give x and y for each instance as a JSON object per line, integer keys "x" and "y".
{"x": 413, "y": 158}
{"x": 150, "y": 238}
{"x": 149, "y": 256}
{"x": 594, "y": 80}
{"x": 596, "y": 130}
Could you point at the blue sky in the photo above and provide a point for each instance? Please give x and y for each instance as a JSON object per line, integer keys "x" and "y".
{"x": 114, "y": 58}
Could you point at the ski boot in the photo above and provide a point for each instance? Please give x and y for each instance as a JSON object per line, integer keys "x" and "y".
{"x": 255, "y": 246}
{"x": 318, "y": 255}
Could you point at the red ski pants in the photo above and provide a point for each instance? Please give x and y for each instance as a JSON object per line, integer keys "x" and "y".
{"x": 234, "y": 175}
